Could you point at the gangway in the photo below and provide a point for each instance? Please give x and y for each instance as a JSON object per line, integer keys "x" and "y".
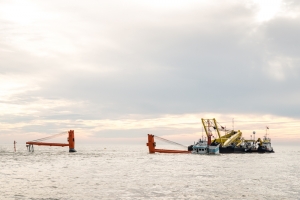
{"x": 70, "y": 144}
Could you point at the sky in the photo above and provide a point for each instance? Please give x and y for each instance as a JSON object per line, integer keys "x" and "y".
{"x": 115, "y": 71}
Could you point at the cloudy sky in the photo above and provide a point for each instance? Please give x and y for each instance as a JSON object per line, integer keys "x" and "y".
{"x": 116, "y": 70}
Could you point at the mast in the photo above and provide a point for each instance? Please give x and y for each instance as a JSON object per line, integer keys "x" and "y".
{"x": 207, "y": 130}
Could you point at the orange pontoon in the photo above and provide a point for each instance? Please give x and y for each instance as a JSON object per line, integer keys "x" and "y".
{"x": 38, "y": 142}
{"x": 151, "y": 144}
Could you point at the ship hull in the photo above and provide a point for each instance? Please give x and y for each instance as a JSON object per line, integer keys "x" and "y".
{"x": 232, "y": 150}
{"x": 243, "y": 150}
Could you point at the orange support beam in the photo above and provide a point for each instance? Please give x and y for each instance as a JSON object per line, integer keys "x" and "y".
{"x": 47, "y": 144}
{"x": 151, "y": 145}
{"x": 170, "y": 151}
{"x": 71, "y": 140}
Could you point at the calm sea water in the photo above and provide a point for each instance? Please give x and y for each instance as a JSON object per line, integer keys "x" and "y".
{"x": 129, "y": 172}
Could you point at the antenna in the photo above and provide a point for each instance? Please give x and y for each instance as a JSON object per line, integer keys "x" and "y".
{"x": 267, "y": 131}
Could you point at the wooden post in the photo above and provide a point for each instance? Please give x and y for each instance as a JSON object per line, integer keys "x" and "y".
{"x": 15, "y": 145}
{"x": 71, "y": 140}
{"x": 151, "y": 143}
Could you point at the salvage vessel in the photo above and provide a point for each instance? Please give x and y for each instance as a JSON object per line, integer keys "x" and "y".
{"x": 233, "y": 142}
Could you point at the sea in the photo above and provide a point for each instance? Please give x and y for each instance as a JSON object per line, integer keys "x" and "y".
{"x": 130, "y": 172}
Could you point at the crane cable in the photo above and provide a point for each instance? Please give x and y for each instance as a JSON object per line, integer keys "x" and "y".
{"x": 171, "y": 142}
{"x": 224, "y": 128}
{"x": 49, "y": 137}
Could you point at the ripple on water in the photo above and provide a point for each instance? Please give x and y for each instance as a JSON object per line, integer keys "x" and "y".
{"x": 95, "y": 173}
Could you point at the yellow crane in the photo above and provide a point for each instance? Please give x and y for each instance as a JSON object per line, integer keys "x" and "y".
{"x": 229, "y": 138}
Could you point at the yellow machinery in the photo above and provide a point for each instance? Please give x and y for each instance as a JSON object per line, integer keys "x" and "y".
{"x": 265, "y": 140}
{"x": 230, "y": 137}
{"x": 259, "y": 140}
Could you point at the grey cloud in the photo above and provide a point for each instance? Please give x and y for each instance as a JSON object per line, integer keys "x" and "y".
{"x": 173, "y": 62}
{"x": 283, "y": 36}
